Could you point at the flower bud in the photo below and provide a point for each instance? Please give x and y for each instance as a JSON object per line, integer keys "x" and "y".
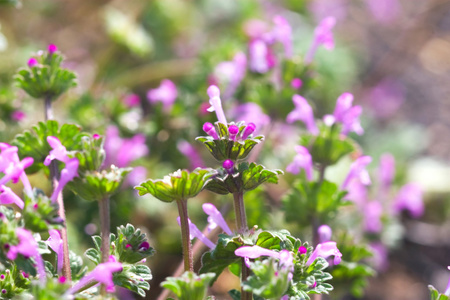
{"x": 52, "y": 48}
{"x": 210, "y": 130}
{"x": 248, "y": 130}
{"x": 32, "y": 62}
{"x": 228, "y": 165}
{"x": 233, "y": 130}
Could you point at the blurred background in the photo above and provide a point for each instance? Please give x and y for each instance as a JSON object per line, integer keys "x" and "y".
{"x": 393, "y": 55}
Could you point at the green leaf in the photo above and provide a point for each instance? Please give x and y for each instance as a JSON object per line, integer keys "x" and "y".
{"x": 189, "y": 286}
{"x": 134, "y": 278}
{"x": 40, "y": 214}
{"x": 132, "y": 245}
{"x": 256, "y": 174}
{"x": 276, "y": 240}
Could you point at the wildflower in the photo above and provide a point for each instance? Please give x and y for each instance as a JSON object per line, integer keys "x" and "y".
{"x": 249, "y": 129}
{"x": 296, "y": 83}
{"x": 283, "y": 33}
{"x": 384, "y": 11}
{"x": 216, "y": 104}
{"x": 191, "y": 154}
{"x": 346, "y": 114}
{"x": 324, "y": 232}
{"x": 7, "y": 196}
{"x": 302, "y": 250}
{"x": 194, "y": 232}
{"x": 302, "y": 112}
{"x": 131, "y": 100}
{"x": 232, "y": 72}
{"x": 250, "y": 113}
{"x": 386, "y": 171}
{"x": 13, "y": 167}
{"x": 322, "y": 36}
{"x": 358, "y": 171}
{"x": 52, "y": 48}
{"x": 32, "y": 62}
{"x": 372, "y": 211}
{"x": 253, "y": 252}
{"x": 302, "y": 160}
{"x": 386, "y": 97}
{"x": 357, "y": 193}
{"x": 103, "y": 273}
{"x": 28, "y": 247}
{"x": 409, "y": 198}
{"x": 59, "y": 152}
{"x": 215, "y": 218}
{"x": 56, "y": 244}
{"x": 166, "y": 93}
{"x": 325, "y": 250}
{"x": 233, "y": 130}
{"x": 67, "y": 174}
{"x": 18, "y": 115}
{"x": 380, "y": 256}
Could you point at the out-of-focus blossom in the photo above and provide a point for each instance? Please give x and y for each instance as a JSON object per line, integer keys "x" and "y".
{"x": 384, "y": 11}
{"x": 358, "y": 171}
{"x": 261, "y": 58}
{"x": 191, "y": 154}
{"x": 28, "y": 247}
{"x": 32, "y": 62}
{"x": 55, "y": 242}
{"x": 250, "y": 112}
{"x": 255, "y": 28}
{"x": 103, "y": 273}
{"x": 324, "y": 232}
{"x": 59, "y": 152}
{"x": 69, "y": 172}
{"x": 323, "y": 8}
{"x": 325, "y": 250}
{"x": 216, "y": 104}
{"x": 210, "y": 130}
{"x": 386, "y": 98}
{"x": 296, "y": 83}
{"x": 52, "y": 48}
{"x": 373, "y": 210}
{"x": 322, "y": 36}
{"x": 121, "y": 152}
{"x": 194, "y": 232}
{"x": 380, "y": 256}
{"x": 18, "y": 115}
{"x": 232, "y": 73}
{"x": 136, "y": 176}
{"x": 386, "y": 171}
{"x": 166, "y": 93}
{"x": 409, "y": 198}
{"x": 13, "y": 167}
{"x": 357, "y": 193}
{"x": 215, "y": 218}
{"x": 346, "y": 114}
{"x": 282, "y": 32}
{"x": 7, "y": 196}
{"x": 131, "y": 100}
{"x": 303, "y": 112}
{"x": 302, "y": 160}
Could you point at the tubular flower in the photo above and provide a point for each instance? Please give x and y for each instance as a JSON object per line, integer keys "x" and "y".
{"x": 409, "y": 198}
{"x": 302, "y": 112}
{"x": 346, "y": 114}
{"x": 325, "y": 250}
{"x": 196, "y": 233}
{"x": 59, "y": 152}
{"x": 67, "y": 174}
{"x": 191, "y": 154}
{"x": 358, "y": 171}
{"x": 56, "y": 244}
{"x": 215, "y": 218}
{"x": 216, "y": 104}
{"x": 302, "y": 160}
{"x": 325, "y": 233}
{"x": 322, "y": 36}
{"x": 7, "y": 196}
{"x": 166, "y": 93}
{"x": 13, "y": 167}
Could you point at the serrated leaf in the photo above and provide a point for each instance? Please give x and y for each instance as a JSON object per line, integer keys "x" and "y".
{"x": 189, "y": 286}
{"x": 255, "y": 175}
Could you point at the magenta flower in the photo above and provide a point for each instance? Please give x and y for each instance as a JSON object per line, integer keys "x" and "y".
{"x": 215, "y": 218}
{"x": 166, "y": 93}
{"x": 67, "y": 174}
{"x": 52, "y": 48}
{"x": 7, "y": 196}
{"x": 260, "y": 56}
{"x": 358, "y": 171}
{"x": 210, "y": 130}
{"x": 357, "y": 193}
{"x": 131, "y": 100}
{"x": 13, "y": 167}
{"x": 56, "y": 244}
{"x": 282, "y": 32}
{"x": 216, "y": 104}
{"x": 325, "y": 250}
{"x": 32, "y": 62}
{"x": 232, "y": 72}
{"x": 373, "y": 210}
{"x": 302, "y": 160}
{"x": 194, "y": 232}
{"x": 59, "y": 152}
{"x": 191, "y": 154}
{"x": 346, "y": 114}
{"x": 228, "y": 165}
{"x": 302, "y": 112}
{"x": 250, "y": 112}
{"x": 386, "y": 171}
{"x": 322, "y": 36}
{"x": 324, "y": 232}
{"x": 296, "y": 83}
{"x": 103, "y": 273}
{"x": 18, "y": 115}
{"x": 380, "y": 256}
{"x": 249, "y": 129}
{"x": 409, "y": 198}
{"x": 28, "y": 247}
{"x": 253, "y": 252}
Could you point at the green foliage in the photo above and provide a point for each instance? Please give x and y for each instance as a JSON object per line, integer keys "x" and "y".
{"x": 131, "y": 245}
{"x": 77, "y": 267}
{"x": 312, "y": 199}
{"x": 245, "y": 178}
{"x": 180, "y": 185}
{"x": 435, "y": 295}
{"x": 40, "y": 214}
{"x": 33, "y": 143}
{"x": 90, "y": 154}
{"x": 134, "y": 278}
{"x": 47, "y": 79}
{"x": 14, "y": 282}
{"x": 225, "y": 148}
{"x": 52, "y": 290}
{"x": 189, "y": 286}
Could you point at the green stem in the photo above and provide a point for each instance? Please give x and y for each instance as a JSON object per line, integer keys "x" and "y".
{"x": 66, "y": 272}
{"x": 241, "y": 221}
{"x": 105, "y": 225}
{"x": 186, "y": 241}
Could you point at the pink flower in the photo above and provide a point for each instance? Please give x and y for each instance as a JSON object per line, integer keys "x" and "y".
{"x": 409, "y": 198}
{"x": 232, "y": 72}
{"x": 194, "y": 232}
{"x": 302, "y": 160}
{"x": 13, "y": 167}
{"x": 216, "y": 104}
{"x": 358, "y": 171}
{"x": 380, "y": 256}
{"x": 386, "y": 97}
{"x": 282, "y": 32}
{"x": 18, "y": 115}
{"x": 261, "y": 58}
{"x": 302, "y": 112}
{"x": 322, "y": 36}
{"x": 346, "y": 114}
{"x": 215, "y": 218}
{"x": 7, "y": 196}
{"x": 52, "y": 48}
{"x": 32, "y": 62}
{"x": 384, "y": 11}
{"x": 325, "y": 250}
{"x": 386, "y": 171}
{"x": 67, "y": 174}
{"x": 131, "y": 100}
{"x": 59, "y": 152}
{"x": 253, "y": 252}
{"x": 250, "y": 112}
{"x": 372, "y": 211}
{"x": 323, "y": 8}
{"x": 166, "y": 93}
{"x": 324, "y": 232}
{"x": 56, "y": 244}
{"x": 191, "y": 154}
{"x": 357, "y": 193}
{"x": 296, "y": 83}
{"x": 210, "y": 130}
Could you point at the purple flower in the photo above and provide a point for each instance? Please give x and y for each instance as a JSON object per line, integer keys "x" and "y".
{"x": 282, "y": 32}
{"x": 67, "y": 174}
{"x": 384, "y": 11}
{"x": 166, "y": 93}
{"x": 249, "y": 129}
{"x": 260, "y": 56}
{"x": 296, "y": 83}
{"x": 373, "y": 210}
{"x": 7, "y": 196}
{"x": 302, "y": 112}
{"x": 18, "y": 115}
{"x": 103, "y": 273}
{"x": 136, "y": 176}
{"x": 358, "y": 171}
{"x": 253, "y": 252}
{"x": 302, "y": 160}
{"x": 215, "y": 218}
{"x": 232, "y": 72}
{"x": 380, "y": 256}
{"x": 56, "y": 244}
{"x": 346, "y": 114}
{"x": 325, "y": 250}
{"x": 210, "y": 130}
{"x": 194, "y": 232}
{"x": 59, "y": 152}
{"x": 32, "y": 62}
{"x": 386, "y": 97}
{"x": 386, "y": 171}
{"x": 233, "y": 130}
{"x": 216, "y": 104}
{"x": 28, "y": 247}
{"x": 52, "y": 48}
{"x": 13, "y": 167}
{"x": 324, "y": 232}
{"x": 131, "y": 100}
{"x": 357, "y": 193}
{"x": 250, "y": 112}
{"x": 322, "y": 36}
{"x": 323, "y": 8}
{"x": 302, "y": 250}
{"x": 191, "y": 154}
{"x": 409, "y": 198}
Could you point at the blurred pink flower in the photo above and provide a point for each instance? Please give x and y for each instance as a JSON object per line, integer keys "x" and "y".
{"x": 215, "y": 218}
{"x": 166, "y": 93}
{"x": 380, "y": 256}
{"x": 52, "y": 48}
{"x": 191, "y": 154}
{"x": 324, "y": 232}
{"x": 302, "y": 112}
{"x": 13, "y": 167}
{"x": 346, "y": 114}
{"x": 324, "y": 8}
{"x": 231, "y": 73}
{"x": 384, "y": 11}
{"x": 250, "y": 112}
{"x": 131, "y": 100}
{"x": 194, "y": 232}
{"x": 358, "y": 171}
{"x": 386, "y": 98}
{"x": 55, "y": 242}
{"x": 59, "y": 152}
{"x": 32, "y": 62}
{"x": 18, "y": 115}
{"x": 282, "y": 32}
{"x": 7, "y": 196}
{"x": 386, "y": 171}
{"x": 302, "y": 160}
{"x": 322, "y": 36}
{"x": 372, "y": 211}
{"x": 69, "y": 172}
{"x": 409, "y": 198}
{"x": 325, "y": 250}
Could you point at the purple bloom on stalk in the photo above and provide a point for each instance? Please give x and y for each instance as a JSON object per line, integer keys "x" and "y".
{"x": 166, "y": 93}
{"x": 409, "y": 198}
{"x": 216, "y": 104}
{"x": 386, "y": 97}
{"x": 215, "y": 218}
{"x": 52, "y": 48}
{"x": 253, "y": 252}
{"x": 59, "y": 152}
{"x": 249, "y": 129}
{"x": 324, "y": 232}
{"x": 103, "y": 273}
{"x": 357, "y": 193}
{"x": 32, "y": 62}
{"x": 325, "y": 250}
{"x": 56, "y": 244}
{"x": 302, "y": 250}
{"x": 346, "y": 114}
{"x": 373, "y": 210}
{"x": 232, "y": 72}
{"x": 228, "y": 165}
{"x": 380, "y": 256}
{"x": 302, "y": 160}
{"x": 322, "y": 36}
{"x": 194, "y": 232}
{"x": 233, "y": 130}
{"x": 28, "y": 247}
{"x": 283, "y": 33}
{"x": 358, "y": 171}
{"x": 260, "y": 56}
{"x": 7, "y": 196}
{"x": 69, "y": 172}
{"x": 302, "y": 112}
{"x": 191, "y": 154}
{"x": 210, "y": 130}
{"x": 13, "y": 167}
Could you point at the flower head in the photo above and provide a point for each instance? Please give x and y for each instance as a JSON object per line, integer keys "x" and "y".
{"x": 386, "y": 171}
{"x": 282, "y": 32}
{"x": 13, "y": 167}
{"x": 7, "y": 196}
{"x": 302, "y": 112}
{"x": 166, "y": 93}
{"x": 194, "y": 232}
{"x": 261, "y": 57}
{"x": 302, "y": 160}
{"x": 250, "y": 112}
{"x": 324, "y": 232}
{"x": 409, "y": 198}
{"x": 325, "y": 250}
{"x": 52, "y": 48}
{"x": 296, "y": 83}
{"x": 373, "y": 210}
{"x": 232, "y": 73}
{"x": 32, "y": 62}
{"x": 322, "y": 36}
{"x": 131, "y": 100}
{"x": 215, "y": 218}
{"x": 358, "y": 171}
{"x": 55, "y": 242}
{"x": 210, "y": 130}
{"x": 59, "y": 152}
{"x": 216, "y": 104}
{"x": 346, "y": 114}
{"x": 69, "y": 172}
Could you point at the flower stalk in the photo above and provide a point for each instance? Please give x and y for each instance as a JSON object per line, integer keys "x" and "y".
{"x": 184, "y": 223}
{"x": 105, "y": 224}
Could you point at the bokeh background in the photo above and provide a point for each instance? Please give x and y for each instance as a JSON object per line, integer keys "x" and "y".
{"x": 393, "y": 55}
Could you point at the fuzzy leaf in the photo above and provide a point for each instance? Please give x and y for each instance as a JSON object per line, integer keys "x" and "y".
{"x": 189, "y": 286}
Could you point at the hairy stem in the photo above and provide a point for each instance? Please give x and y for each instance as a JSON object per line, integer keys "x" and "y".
{"x": 186, "y": 241}
{"x": 105, "y": 224}
{"x": 66, "y": 272}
